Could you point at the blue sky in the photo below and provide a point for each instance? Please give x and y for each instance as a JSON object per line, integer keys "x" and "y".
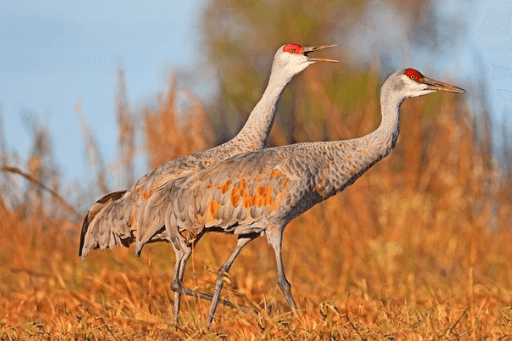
{"x": 55, "y": 54}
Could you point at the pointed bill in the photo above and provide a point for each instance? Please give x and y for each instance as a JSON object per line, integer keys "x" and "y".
{"x": 309, "y": 49}
{"x": 440, "y": 86}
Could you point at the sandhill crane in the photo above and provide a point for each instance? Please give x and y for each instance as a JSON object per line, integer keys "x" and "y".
{"x": 259, "y": 193}
{"x": 110, "y": 221}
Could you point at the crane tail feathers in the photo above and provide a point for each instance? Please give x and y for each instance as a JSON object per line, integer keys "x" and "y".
{"x": 83, "y": 232}
{"x": 155, "y": 227}
{"x": 101, "y": 228}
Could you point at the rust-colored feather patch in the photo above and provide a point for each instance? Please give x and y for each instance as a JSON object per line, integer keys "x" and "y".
{"x": 147, "y": 195}
{"x": 235, "y": 196}
{"x": 214, "y": 207}
{"x": 224, "y": 188}
{"x": 275, "y": 172}
{"x": 211, "y": 213}
{"x": 285, "y": 183}
{"x": 263, "y": 197}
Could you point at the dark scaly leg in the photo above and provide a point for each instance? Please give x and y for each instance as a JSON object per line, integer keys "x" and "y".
{"x": 181, "y": 258}
{"x": 223, "y": 270}
{"x": 275, "y": 240}
{"x": 182, "y": 255}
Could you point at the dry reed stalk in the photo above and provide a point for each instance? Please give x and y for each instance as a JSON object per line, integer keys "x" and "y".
{"x": 126, "y": 137}
{"x": 93, "y": 154}
{"x": 54, "y": 192}
{"x": 166, "y": 138}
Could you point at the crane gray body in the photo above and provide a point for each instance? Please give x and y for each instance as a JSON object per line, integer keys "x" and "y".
{"x": 259, "y": 193}
{"x": 249, "y": 192}
{"x": 111, "y": 221}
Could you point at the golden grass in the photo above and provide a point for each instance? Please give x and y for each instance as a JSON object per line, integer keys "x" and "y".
{"x": 419, "y": 248}
{"x": 166, "y": 137}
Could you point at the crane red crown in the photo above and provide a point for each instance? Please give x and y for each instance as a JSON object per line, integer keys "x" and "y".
{"x": 293, "y": 48}
{"x": 414, "y": 75}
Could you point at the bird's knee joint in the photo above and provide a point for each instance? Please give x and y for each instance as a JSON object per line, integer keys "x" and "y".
{"x": 222, "y": 273}
{"x": 176, "y": 286}
{"x": 284, "y": 284}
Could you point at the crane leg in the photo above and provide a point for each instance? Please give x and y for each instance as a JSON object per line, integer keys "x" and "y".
{"x": 275, "y": 237}
{"x": 224, "y": 269}
{"x": 181, "y": 258}
{"x": 177, "y": 279}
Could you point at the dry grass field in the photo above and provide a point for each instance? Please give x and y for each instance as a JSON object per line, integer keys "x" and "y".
{"x": 419, "y": 248}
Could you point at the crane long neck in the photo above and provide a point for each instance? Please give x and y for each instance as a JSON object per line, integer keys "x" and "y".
{"x": 382, "y": 140}
{"x": 345, "y": 161}
{"x": 256, "y": 131}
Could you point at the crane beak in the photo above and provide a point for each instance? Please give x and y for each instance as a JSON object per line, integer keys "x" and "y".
{"x": 309, "y": 49}
{"x": 440, "y": 86}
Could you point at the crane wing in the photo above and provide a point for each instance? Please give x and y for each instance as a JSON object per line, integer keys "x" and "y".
{"x": 111, "y": 220}
{"x": 233, "y": 195}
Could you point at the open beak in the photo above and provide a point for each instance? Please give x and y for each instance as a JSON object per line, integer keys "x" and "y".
{"x": 440, "y": 86}
{"x": 309, "y": 49}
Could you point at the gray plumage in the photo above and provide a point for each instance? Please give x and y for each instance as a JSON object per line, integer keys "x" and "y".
{"x": 259, "y": 193}
{"x": 110, "y": 221}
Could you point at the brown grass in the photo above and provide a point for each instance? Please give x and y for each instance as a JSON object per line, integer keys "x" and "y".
{"x": 419, "y": 248}
{"x": 168, "y": 135}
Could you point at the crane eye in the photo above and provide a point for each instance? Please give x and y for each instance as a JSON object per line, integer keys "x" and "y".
{"x": 292, "y": 51}
{"x": 413, "y": 77}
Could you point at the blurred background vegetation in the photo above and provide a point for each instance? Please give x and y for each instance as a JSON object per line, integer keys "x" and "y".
{"x": 419, "y": 246}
